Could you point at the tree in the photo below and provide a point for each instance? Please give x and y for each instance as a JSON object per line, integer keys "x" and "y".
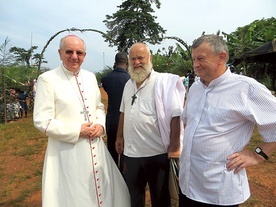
{"x": 247, "y": 38}
{"x": 4, "y": 62}
{"x": 23, "y": 56}
{"x": 5, "y": 56}
{"x": 37, "y": 58}
{"x": 19, "y": 76}
{"x": 132, "y": 23}
{"x": 101, "y": 74}
{"x": 173, "y": 60}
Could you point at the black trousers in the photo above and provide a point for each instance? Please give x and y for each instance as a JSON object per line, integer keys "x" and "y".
{"x": 111, "y": 139}
{"x": 186, "y": 202}
{"x": 152, "y": 170}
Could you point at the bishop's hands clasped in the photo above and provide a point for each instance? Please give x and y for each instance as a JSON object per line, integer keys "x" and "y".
{"x": 91, "y": 131}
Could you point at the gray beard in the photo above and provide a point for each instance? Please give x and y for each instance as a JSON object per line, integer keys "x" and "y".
{"x": 140, "y": 76}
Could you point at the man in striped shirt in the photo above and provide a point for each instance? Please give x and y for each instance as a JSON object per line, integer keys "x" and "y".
{"x": 220, "y": 114}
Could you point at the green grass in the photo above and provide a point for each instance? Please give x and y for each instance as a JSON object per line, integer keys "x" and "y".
{"x": 22, "y": 150}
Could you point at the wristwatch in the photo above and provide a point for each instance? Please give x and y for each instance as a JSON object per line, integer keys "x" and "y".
{"x": 259, "y": 151}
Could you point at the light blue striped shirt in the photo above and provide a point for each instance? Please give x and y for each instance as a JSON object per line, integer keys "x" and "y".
{"x": 219, "y": 121}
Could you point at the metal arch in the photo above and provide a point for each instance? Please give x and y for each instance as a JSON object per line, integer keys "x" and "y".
{"x": 68, "y": 30}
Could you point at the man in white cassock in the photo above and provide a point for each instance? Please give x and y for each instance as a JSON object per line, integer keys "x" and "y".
{"x": 78, "y": 169}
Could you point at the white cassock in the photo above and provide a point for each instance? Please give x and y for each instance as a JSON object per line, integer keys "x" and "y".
{"x": 77, "y": 172}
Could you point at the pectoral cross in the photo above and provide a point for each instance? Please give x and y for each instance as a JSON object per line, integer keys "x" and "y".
{"x": 84, "y": 112}
{"x": 133, "y": 99}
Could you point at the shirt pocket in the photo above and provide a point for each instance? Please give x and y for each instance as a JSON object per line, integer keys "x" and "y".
{"x": 227, "y": 114}
{"x": 147, "y": 107}
{"x": 222, "y": 118}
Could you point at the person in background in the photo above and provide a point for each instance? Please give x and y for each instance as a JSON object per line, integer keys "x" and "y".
{"x": 191, "y": 77}
{"x": 9, "y": 111}
{"x": 220, "y": 114}
{"x": 78, "y": 169}
{"x": 186, "y": 83}
{"x": 114, "y": 83}
{"x": 17, "y": 109}
{"x": 22, "y": 96}
{"x": 149, "y": 128}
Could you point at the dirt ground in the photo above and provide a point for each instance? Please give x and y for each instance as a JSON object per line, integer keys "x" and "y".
{"x": 262, "y": 179}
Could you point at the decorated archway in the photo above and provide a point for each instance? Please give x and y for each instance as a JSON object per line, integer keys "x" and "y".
{"x": 68, "y": 30}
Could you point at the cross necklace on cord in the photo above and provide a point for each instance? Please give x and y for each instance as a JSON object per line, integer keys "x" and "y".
{"x": 84, "y": 111}
{"x": 135, "y": 94}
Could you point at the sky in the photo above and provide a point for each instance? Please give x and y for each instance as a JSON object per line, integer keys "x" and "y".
{"x": 29, "y": 23}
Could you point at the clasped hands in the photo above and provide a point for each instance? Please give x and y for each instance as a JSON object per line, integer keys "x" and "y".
{"x": 91, "y": 131}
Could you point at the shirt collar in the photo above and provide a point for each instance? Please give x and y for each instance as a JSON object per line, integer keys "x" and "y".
{"x": 69, "y": 72}
{"x": 120, "y": 70}
{"x": 218, "y": 80}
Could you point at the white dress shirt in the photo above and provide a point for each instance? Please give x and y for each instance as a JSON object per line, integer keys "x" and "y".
{"x": 142, "y": 137}
{"x": 169, "y": 102}
{"x": 141, "y": 133}
{"x": 219, "y": 121}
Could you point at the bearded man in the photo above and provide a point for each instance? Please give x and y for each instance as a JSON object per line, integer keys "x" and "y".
{"x": 149, "y": 128}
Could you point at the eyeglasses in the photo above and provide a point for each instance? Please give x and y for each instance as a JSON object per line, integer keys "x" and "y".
{"x": 71, "y": 52}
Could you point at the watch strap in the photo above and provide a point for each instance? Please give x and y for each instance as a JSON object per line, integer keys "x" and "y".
{"x": 259, "y": 151}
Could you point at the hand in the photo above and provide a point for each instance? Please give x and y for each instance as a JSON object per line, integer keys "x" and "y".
{"x": 119, "y": 145}
{"x": 243, "y": 159}
{"x": 97, "y": 130}
{"x": 86, "y": 130}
